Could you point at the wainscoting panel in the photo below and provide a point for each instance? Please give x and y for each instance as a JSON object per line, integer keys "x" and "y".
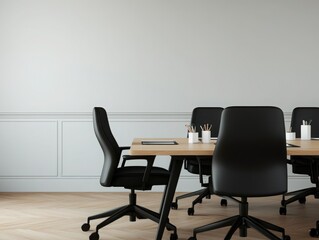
{"x": 28, "y": 148}
{"x": 59, "y": 151}
{"x": 82, "y": 155}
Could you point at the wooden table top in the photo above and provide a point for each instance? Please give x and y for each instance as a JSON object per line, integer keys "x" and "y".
{"x": 183, "y": 148}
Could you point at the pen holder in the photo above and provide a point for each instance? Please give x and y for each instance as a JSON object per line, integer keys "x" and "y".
{"x": 305, "y": 132}
{"x": 206, "y": 136}
{"x": 290, "y": 135}
{"x": 192, "y": 137}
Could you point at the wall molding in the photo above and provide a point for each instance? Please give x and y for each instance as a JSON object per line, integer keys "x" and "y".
{"x": 175, "y": 116}
{"x": 119, "y": 116}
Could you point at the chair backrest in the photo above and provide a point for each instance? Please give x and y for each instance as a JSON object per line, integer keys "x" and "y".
{"x": 305, "y": 113}
{"x": 204, "y": 115}
{"x": 250, "y": 154}
{"x": 111, "y": 150}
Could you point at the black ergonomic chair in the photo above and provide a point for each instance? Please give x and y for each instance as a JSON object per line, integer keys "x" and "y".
{"x": 201, "y": 165}
{"x": 249, "y": 161}
{"x": 308, "y": 165}
{"x": 128, "y": 177}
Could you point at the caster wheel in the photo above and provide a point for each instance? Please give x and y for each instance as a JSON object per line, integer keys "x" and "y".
{"x": 192, "y": 238}
{"x": 190, "y": 211}
{"x": 302, "y": 200}
{"x": 174, "y": 205}
{"x": 223, "y": 203}
{"x": 94, "y": 236}
{"x": 173, "y": 236}
{"x": 200, "y": 201}
{"x": 208, "y": 197}
{"x": 313, "y": 232}
{"x": 85, "y": 227}
{"x": 282, "y": 211}
{"x": 286, "y": 237}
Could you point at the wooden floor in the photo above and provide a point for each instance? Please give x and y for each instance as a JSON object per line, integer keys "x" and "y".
{"x": 59, "y": 216}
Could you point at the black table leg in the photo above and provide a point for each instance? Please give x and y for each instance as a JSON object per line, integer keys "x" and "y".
{"x": 175, "y": 170}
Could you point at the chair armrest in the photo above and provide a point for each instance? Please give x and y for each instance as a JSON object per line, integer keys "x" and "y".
{"x": 124, "y": 148}
{"x": 150, "y": 161}
{"x": 121, "y": 149}
{"x": 200, "y": 166}
{"x": 201, "y": 179}
{"x": 130, "y": 157}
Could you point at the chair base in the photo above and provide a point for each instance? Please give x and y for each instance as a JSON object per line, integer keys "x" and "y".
{"x": 299, "y": 195}
{"x": 132, "y": 210}
{"x": 242, "y": 222}
{"x": 203, "y": 193}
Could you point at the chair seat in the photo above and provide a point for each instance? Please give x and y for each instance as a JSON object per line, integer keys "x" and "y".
{"x": 131, "y": 177}
{"x": 193, "y": 167}
{"x": 301, "y": 164}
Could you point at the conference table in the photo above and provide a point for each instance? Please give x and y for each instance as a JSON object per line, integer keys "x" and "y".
{"x": 179, "y": 148}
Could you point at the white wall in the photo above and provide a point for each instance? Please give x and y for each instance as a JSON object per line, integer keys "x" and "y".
{"x": 76, "y": 54}
{"x": 152, "y": 60}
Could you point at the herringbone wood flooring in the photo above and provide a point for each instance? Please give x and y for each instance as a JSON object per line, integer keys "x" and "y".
{"x": 59, "y": 216}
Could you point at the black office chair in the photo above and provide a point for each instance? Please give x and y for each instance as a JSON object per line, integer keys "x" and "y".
{"x": 128, "y": 177}
{"x": 249, "y": 161}
{"x": 308, "y": 165}
{"x": 201, "y": 165}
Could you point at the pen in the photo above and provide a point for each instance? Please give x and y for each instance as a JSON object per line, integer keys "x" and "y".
{"x": 190, "y": 128}
{"x": 206, "y": 127}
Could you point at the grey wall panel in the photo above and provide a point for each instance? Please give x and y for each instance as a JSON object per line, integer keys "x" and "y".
{"x": 28, "y": 148}
{"x": 81, "y": 152}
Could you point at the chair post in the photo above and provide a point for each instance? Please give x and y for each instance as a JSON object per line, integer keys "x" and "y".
{"x": 243, "y": 207}
{"x": 132, "y": 203}
{"x": 243, "y": 212}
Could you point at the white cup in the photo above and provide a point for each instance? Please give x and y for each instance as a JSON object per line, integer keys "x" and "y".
{"x": 290, "y": 135}
{"x": 305, "y": 132}
{"x": 192, "y": 137}
{"x": 206, "y": 136}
